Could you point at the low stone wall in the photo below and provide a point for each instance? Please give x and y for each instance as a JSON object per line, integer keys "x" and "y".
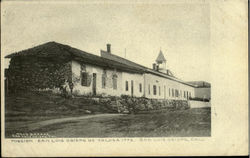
{"x": 126, "y": 104}
{"x": 199, "y": 104}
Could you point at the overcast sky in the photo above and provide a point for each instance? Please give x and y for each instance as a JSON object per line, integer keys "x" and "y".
{"x": 182, "y": 31}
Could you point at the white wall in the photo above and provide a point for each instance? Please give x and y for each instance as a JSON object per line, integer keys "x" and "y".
{"x": 151, "y": 80}
{"x": 143, "y": 79}
{"x": 108, "y": 90}
{"x": 137, "y": 79}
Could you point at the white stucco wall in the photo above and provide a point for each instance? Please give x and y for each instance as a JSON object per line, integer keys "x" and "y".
{"x": 137, "y": 79}
{"x": 108, "y": 90}
{"x": 144, "y": 79}
{"x": 162, "y": 82}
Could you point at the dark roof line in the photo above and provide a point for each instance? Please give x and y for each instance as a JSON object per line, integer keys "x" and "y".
{"x": 168, "y": 77}
{"x": 50, "y": 49}
{"x": 148, "y": 70}
{"x": 83, "y": 56}
{"x": 123, "y": 60}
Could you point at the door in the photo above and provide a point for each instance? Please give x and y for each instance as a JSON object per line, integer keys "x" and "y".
{"x": 132, "y": 87}
{"x": 94, "y": 84}
{"x": 164, "y": 92}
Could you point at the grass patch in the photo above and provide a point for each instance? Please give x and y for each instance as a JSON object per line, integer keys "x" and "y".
{"x": 25, "y": 109}
{"x": 46, "y": 104}
{"x": 182, "y": 123}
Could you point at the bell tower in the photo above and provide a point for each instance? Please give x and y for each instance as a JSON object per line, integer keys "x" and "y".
{"x": 161, "y": 63}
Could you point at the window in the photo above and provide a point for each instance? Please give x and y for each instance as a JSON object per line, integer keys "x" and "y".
{"x": 184, "y": 94}
{"x": 104, "y": 76}
{"x": 172, "y": 92}
{"x": 154, "y": 89}
{"x": 84, "y": 79}
{"x": 176, "y": 93}
{"x": 165, "y": 93}
{"x": 126, "y": 85}
{"x": 159, "y": 90}
{"x": 169, "y": 92}
{"x": 189, "y": 94}
{"x": 103, "y": 81}
{"x": 149, "y": 89}
{"x": 84, "y": 75}
{"x": 140, "y": 87}
{"x": 132, "y": 87}
{"x": 180, "y": 93}
{"x": 114, "y": 81}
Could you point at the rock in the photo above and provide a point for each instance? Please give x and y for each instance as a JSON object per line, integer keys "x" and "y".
{"x": 88, "y": 112}
{"x": 125, "y": 111}
{"x": 176, "y": 126}
{"x": 113, "y": 103}
{"x": 96, "y": 100}
{"x": 103, "y": 95}
{"x": 105, "y": 100}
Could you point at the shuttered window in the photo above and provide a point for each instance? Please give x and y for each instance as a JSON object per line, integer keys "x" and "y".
{"x": 140, "y": 87}
{"x": 104, "y": 76}
{"x": 84, "y": 79}
{"x": 154, "y": 89}
{"x": 149, "y": 89}
{"x": 176, "y": 93}
{"x": 103, "y": 81}
{"x": 114, "y": 81}
{"x": 126, "y": 85}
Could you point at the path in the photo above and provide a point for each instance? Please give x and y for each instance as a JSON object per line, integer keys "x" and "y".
{"x": 40, "y": 124}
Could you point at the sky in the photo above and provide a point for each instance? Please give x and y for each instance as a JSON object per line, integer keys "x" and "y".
{"x": 180, "y": 30}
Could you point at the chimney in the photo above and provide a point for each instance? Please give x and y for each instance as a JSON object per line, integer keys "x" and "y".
{"x": 109, "y": 48}
{"x": 154, "y": 66}
{"x": 157, "y": 67}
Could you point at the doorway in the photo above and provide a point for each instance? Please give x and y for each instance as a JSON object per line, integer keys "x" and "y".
{"x": 94, "y": 84}
{"x": 164, "y": 92}
{"x": 132, "y": 87}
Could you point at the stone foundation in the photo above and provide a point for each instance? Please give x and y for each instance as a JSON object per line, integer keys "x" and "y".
{"x": 127, "y": 104}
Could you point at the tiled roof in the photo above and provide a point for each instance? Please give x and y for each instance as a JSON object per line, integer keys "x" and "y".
{"x": 148, "y": 70}
{"x": 57, "y": 50}
{"x": 110, "y": 56}
{"x": 168, "y": 77}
